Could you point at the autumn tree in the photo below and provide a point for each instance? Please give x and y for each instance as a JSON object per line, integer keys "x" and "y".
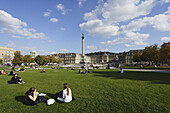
{"x": 151, "y": 54}
{"x": 164, "y": 53}
{"x": 46, "y": 60}
{"x": 32, "y": 60}
{"x": 59, "y": 60}
{"x": 0, "y": 61}
{"x": 137, "y": 57}
{"x": 27, "y": 59}
{"x": 39, "y": 59}
{"x": 18, "y": 58}
{"x": 52, "y": 59}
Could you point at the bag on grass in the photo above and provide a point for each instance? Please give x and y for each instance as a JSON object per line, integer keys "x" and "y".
{"x": 50, "y": 101}
{"x": 42, "y": 99}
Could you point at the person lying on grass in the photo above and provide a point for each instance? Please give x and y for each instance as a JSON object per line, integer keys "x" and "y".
{"x": 3, "y": 72}
{"x": 32, "y": 98}
{"x": 16, "y": 80}
{"x": 65, "y": 95}
{"x": 43, "y": 71}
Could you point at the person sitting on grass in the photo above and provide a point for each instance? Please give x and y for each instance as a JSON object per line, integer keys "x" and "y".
{"x": 3, "y": 72}
{"x": 80, "y": 71}
{"x": 22, "y": 70}
{"x": 65, "y": 95}
{"x": 43, "y": 71}
{"x": 121, "y": 70}
{"x": 16, "y": 80}
{"x": 86, "y": 71}
{"x": 19, "y": 69}
{"x": 32, "y": 98}
{"x": 12, "y": 72}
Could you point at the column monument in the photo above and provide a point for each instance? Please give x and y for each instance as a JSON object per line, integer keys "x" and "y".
{"x": 82, "y": 56}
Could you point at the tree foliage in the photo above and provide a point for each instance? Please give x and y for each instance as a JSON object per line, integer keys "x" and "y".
{"x": 137, "y": 57}
{"x": 46, "y": 60}
{"x": 59, "y": 60}
{"x": 151, "y": 53}
{"x": 27, "y": 59}
{"x": 39, "y": 59}
{"x": 52, "y": 59}
{"x": 18, "y": 58}
{"x": 0, "y": 61}
{"x": 165, "y": 52}
{"x": 32, "y": 60}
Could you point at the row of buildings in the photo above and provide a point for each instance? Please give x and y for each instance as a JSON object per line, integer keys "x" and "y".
{"x": 125, "y": 58}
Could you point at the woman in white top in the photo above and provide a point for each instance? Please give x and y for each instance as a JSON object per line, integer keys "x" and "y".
{"x": 65, "y": 95}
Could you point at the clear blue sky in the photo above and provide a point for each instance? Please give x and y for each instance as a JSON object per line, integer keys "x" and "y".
{"x": 55, "y": 26}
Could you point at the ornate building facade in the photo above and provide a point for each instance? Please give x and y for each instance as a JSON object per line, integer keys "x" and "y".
{"x": 6, "y": 54}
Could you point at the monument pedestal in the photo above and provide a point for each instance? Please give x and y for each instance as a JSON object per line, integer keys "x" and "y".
{"x": 82, "y": 60}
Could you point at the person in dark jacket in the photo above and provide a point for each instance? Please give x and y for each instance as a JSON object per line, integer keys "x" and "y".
{"x": 12, "y": 72}
{"x": 32, "y": 98}
{"x": 16, "y": 80}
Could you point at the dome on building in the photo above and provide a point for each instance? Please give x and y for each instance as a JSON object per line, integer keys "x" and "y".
{"x": 33, "y": 51}
{"x": 33, "y": 54}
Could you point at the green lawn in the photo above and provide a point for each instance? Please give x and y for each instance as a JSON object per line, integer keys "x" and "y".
{"x": 99, "y": 91}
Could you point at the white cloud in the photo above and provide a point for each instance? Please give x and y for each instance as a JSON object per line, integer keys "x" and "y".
{"x": 53, "y": 52}
{"x": 53, "y": 19}
{"x": 123, "y": 10}
{"x": 12, "y": 25}
{"x": 63, "y": 29}
{"x": 48, "y": 13}
{"x": 50, "y": 41}
{"x": 161, "y": 22}
{"x": 10, "y": 44}
{"x": 14, "y": 36}
{"x": 27, "y": 50}
{"x": 80, "y": 2}
{"x": 103, "y": 20}
{"x": 165, "y": 38}
{"x": 136, "y": 39}
{"x": 64, "y": 50}
{"x": 166, "y": 1}
{"x": 99, "y": 27}
{"x": 92, "y": 47}
{"x": 61, "y": 8}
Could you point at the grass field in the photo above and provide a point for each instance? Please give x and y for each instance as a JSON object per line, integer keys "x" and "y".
{"x": 99, "y": 91}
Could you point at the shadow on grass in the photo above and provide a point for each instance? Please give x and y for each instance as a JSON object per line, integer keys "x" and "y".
{"x": 54, "y": 96}
{"x": 20, "y": 99}
{"x": 159, "y": 78}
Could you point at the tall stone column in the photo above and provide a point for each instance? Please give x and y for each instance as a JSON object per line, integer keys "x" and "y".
{"x": 83, "y": 44}
{"x": 82, "y": 56}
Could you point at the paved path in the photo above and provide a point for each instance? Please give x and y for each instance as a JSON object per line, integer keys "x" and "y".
{"x": 149, "y": 70}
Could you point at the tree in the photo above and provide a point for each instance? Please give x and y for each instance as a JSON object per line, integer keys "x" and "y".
{"x": 0, "y": 61}
{"x": 151, "y": 54}
{"x": 46, "y": 60}
{"x": 164, "y": 53}
{"x": 52, "y": 59}
{"x": 32, "y": 60}
{"x": 39, "y": 59}
{"x": 59, "y": 60}
{"x": 27, "y": 59}
{"x": 18, "y": 58}
{"x": 137, "y": 57}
